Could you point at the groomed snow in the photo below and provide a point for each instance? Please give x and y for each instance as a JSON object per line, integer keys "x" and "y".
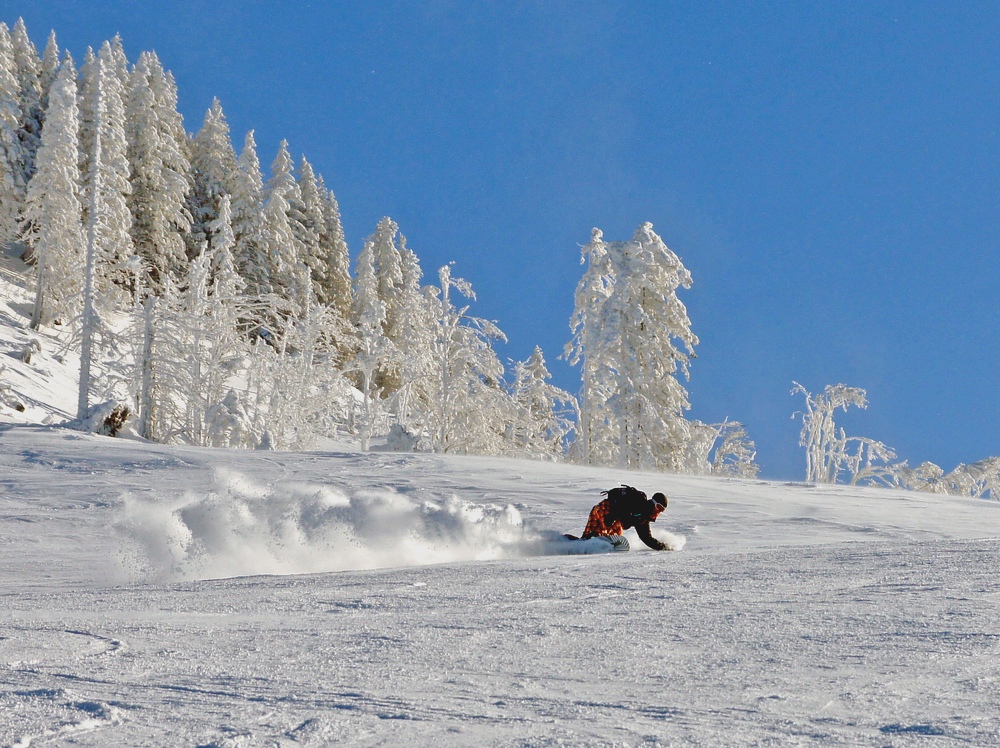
{"x": 169, "y": 596}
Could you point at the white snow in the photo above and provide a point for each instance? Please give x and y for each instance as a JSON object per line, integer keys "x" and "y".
{"x": 410, "y": 599}
{"x": 177, "y": 596}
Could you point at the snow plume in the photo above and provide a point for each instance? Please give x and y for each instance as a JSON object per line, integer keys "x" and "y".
{"x": 241, "y": 527}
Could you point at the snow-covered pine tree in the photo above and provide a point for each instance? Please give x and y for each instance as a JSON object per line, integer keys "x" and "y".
{"x": 632, "y": 399}
{"x": 543, "y": 415}
{"x": 213, "y": 170}
{"x": 159, "y": 172}
{"x": 52, "y": 209}
{"x": 336, "y": 288}
{"x": 49, "y": 69}
{"x": 89, "y": 319}
{"x": 12, "y": 159}
{"x": 28, "y": 67}
{"x": 114, "y": 245}
{"x": 386, "y": 260}
{"x": 306, "y": 212}
{"x": 248, "y": 208}
{"x": 284, "y": 251}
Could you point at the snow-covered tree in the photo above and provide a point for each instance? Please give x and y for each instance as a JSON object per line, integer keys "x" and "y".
{"x": 213, "y": 170}
{"x": 90, "y": 319}
{"x": 625, "y": 325}
{"x": 284, "y": 251}
{"x": 52, "y": 209}
{"x": 335, "y": 288}
{"x": 374, "y": 347}
{"x": 114, "y": 245}
{"x": 472, "y": 408}
{"x": 413, "y": 347}
{"x": 159, "y": 171}
{"x": 13, "y": 178}
{"x": 385, "y": 249}
{"x": 189, "y": 354}
{"x": 28, "y": 71}
{"x": 248, "y": 208}
{"x": 543, "y": 412}
{"x": 306, "y": 212}
{"x": 49, "y": 69}
{"x": 735, "y": 455}
{"x": 830, "y": 453}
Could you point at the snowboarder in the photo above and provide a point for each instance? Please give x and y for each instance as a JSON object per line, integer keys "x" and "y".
{"x": 626, "y": 507}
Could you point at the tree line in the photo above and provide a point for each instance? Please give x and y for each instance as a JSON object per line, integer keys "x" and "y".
{"x": 219, "y": 307}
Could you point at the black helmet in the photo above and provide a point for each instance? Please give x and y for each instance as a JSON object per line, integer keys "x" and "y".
{"x": 659, "y": 498}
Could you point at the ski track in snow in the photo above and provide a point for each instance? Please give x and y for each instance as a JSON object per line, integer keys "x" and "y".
{"x": 157, "y": 595}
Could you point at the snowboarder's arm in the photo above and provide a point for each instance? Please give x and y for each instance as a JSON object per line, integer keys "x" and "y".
{"x": 642, "y": 530}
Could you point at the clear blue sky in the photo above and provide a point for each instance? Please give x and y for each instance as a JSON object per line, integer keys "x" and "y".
{"x": 829, "y": 172}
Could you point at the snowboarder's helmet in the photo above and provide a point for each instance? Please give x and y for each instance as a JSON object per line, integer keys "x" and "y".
{"x": 659, "y": 498}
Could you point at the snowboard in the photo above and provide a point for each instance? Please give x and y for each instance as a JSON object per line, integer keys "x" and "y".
{"x": 601, "y": 543}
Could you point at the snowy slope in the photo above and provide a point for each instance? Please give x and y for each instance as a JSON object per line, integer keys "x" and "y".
{"x": 170, "y": 596}
{"x": 401, "y": 615}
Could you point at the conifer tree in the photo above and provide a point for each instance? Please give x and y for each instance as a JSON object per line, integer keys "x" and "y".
{"x": 308, "y": 223}
{"x": 52, "y": 209}
{"x": 386, "y": 260}
{"x": 50, "y": 68}
{"x": 12, "y": 159}
{"x": 625, "y": 324}
{"x": 374, "y": 347}
{"x": 28, "y": 66}
{"x": 213, "y": 171}
{"x": 336, "y": 286}
{"x": 542, "y": 423}
{"x": 414, "y": 346}
{"x": 283, "y": 249}
{"x": 114, "y": 245}
{"x": 90, "y": 319}
{"x": 248, "y": 207}
{"x": 159, "y": 172}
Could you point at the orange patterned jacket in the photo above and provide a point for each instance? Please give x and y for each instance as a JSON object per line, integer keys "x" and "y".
{"x": 614, "y": 518}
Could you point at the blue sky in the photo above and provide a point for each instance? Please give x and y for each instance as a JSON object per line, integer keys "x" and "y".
{"x": 828, "y": 172}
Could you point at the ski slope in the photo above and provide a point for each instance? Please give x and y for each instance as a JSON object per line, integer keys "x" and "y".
{"x": 159, "y": 596}
{"x": 170, "y": 596}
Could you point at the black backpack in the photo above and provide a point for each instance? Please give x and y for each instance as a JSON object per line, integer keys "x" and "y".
{"x": 628, "y": 502}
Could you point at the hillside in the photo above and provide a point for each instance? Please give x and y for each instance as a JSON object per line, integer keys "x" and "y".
{"x": 158, "y": 595}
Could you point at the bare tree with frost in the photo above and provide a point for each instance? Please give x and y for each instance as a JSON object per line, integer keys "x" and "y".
{"x": 472, "y": 408}
{"x": 830, "y": 453}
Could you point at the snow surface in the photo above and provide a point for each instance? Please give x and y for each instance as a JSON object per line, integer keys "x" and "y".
{"x": 171, "y": 596}
{"x": 401, "y": 599}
